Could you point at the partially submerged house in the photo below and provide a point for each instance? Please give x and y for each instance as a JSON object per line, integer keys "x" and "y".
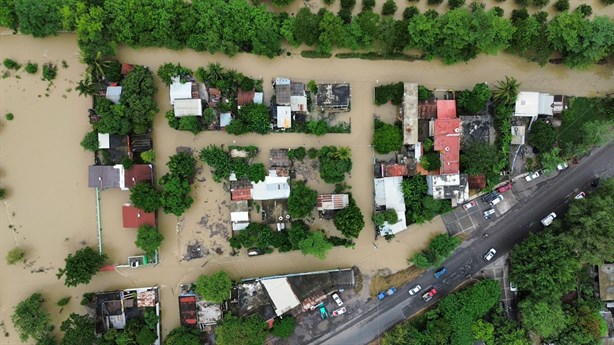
{"x": 332, "y": 202}
{"x": 115, "y": 176}
{"x": 249, "y": 97}
{"x": 298, "y": 97}
{"x": 115, "y": 308}
{"x": 240, "y": 190}
{"x": 283, "y": 91}
{"x": 606, "y": 282}
{"x": 410, "y": 113}
{"x": 389, "y": 196}
{"x": 334, "y": 96}
{"x": 194, "y": 312}
{"x": 279, "y": 158}
{"x": 239, "y": 215}
{"x": 290, "y": 101}
{"x": 134, "y": 217}
{"x": 272, "y": 188}
{"x": 138, "y": 173}
{"x": 185, "y": 98}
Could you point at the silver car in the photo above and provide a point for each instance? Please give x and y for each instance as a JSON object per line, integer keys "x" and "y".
{"x": 532, "y": 176}
{"x": 415, "y": 290}
{"x": 490, "y": 254}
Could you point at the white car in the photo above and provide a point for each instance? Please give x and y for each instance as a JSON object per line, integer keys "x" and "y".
{"x": 513, "y": 287}
{"x": 490, "y": 254}
{"x": 496, "y": 200}
{"x": 337, "y": 299}
{"x": 470, "y": 204}
{"x": 339, "y": 311}
{"x": 488, "y": 213}
{"x": 580, "y": 195}
{"x": 561, "y": 166}
{"x": 532, "y": 176}
{"x": 415, "y": 290}
{"x": 549, "y": 219}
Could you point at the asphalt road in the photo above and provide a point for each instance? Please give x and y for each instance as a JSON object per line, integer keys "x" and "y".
{"x": 509, "y": 229}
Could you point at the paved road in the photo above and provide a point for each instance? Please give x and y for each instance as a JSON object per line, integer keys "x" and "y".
{"x": 513, "y": 227}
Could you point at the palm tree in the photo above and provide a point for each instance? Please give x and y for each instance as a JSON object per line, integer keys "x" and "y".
{"x": 86, "y": 87}
{"x": 506, "y": 91}
{"x": 95, "y": 66}
{"x": 343, "y": 153}
{"x": 215, "y": 72}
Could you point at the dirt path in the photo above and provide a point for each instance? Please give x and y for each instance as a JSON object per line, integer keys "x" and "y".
{"x": 45, "y": 170}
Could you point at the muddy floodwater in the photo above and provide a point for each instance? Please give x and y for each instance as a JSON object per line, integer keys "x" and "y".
{"x": 51, "y": 212}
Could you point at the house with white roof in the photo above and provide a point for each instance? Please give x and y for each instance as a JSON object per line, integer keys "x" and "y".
{"x": 284, "y": 117}
{"x": 389, "y": 196}
{"x": 184, "y": 98}
{"x": 272, "y": 188}
{"x": 532, "y": 104}
{"x": 239, "y": 214}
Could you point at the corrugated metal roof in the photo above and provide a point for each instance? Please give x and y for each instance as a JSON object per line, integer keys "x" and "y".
{"x": 188, "y": 107}
{"x": 179, "y": 90}
{"x": 134, "y": 217}
{"x": 284, "y": 117}
{"x": 332, "y": 201}
{"x": 281, "y": 294}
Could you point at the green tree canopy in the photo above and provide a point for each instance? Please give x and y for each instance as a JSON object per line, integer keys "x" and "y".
{"x": 145, "y": 196}
{"x": 90, "y": 141}
{"x": 183, "y": 335}
{"x": 302, "y": 200}
{"x": 544, "y": 318}
{"x": 542, "y": 136}
{"x": 350, "y": 220}
{"x": 315, "y": 244}
{"x": 214, "y": 288}
{"x": 182, "y": 165}
{"x": 38, "y": 18}
{"x": 247, "y": 331}
{"x": 387, "y": 137}
{"x": 175, "y": 197}
{"x": 252, "y": 118}
{"x": 78, "y": 330}
{"x": 284, "y": 328}
{"x": 31, "y": 320}
{"x": 335, "y": 162}
{"x": 148, "y": 239}
{"x": 81, "y": 266}
{"x": 479, "y": 157}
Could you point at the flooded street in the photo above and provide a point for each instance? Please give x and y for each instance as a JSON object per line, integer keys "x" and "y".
{"x": 53, "y": 211}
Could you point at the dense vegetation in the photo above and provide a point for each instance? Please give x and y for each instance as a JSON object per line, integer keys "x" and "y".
{"x": 237, "y": 26}
{"x": 392, "y": 93}
{"x": 149, "y": 239}
{"x": 439, "y": 249}
{"x": 350, "y": 220}
{"x": 302, "y": 200}
{"x": 335, "y": 162}
{"x": 233, "y": 330}
{"x": 550, "y": 270}
{"x": 420, "y": 206}
{"x": 214, "y": 288}
{"x": 223, "y": 165}
{"x": 175, "y": 185}
{"x": 81, "y": 266}
{"x": 387, "y": 137}
{"x": 31, "y": 320}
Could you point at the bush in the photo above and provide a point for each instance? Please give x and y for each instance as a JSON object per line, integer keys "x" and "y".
{"x": 390, "y": 216}
{"x": 81, "y": 266}
{"x": 523, "y": 3}
{"x": 31, "y": 320}
{"x": 88, "y": 297}
{"x": 440, "y": 248}
{"x": 410, "y": 12}
{"x": 11, "y": 64}
{"x": 542, "y": 136}
{"x": 474, "y": 101}
{"x": 312, "y": 153}
{"x": 434, "y": 2}
{"x": 298, "y": 153}
{"x": 31, "y": 67}
{"x": 389, "y": 93}
{"x": 2, "y": 193}
{"x": 584, "y": 10}
{"x": 367, "y": 5}
{"x": 214, "y": 288}
{"x": 314, "y": 54}
{"x": 281, "y": 3}
{"x": 456, "y": 3}
{"x": 334, "y": 163}
{"x": 389, "y": 8}
{"x": 283, "y": 328}
{"x": 562, "y": 5}
{"x": 50, "y": 71}
{"x": 148, "y": 156}
{"x": 424, "y": 93}
{"x": 190, "y": 124}
{"x": 540, "y": 3}
{"x": 302, "y": 200}
{"x": 168, "y": 70}
{"x": 127, "y": 162}
{"x": 430, "y": 161}
{"x": 112, "y": 71}
{"x": 498, "y": 11}
{"x": 9, "y": 116}
{"x": 90, "y": 141}
{"x": 387, "y": 137}
{"x": 519, "y": 15}
{"x": 15, "y": 255}
{"x": 64, "y": 301}
{"x": 349, "y": 220}
{"x": 148, "y": 239}
{"x": 146, "y": 197}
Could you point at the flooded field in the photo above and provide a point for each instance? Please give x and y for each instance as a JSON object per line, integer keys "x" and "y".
{"x": 53, "y": 213}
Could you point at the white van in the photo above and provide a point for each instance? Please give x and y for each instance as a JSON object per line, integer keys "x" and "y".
{"x": 549, "y": 219}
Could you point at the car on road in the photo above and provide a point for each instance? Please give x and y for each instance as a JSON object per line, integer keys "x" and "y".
{"x": 532, "y": 176}
{"x": 385, "y": 293}
{"x": 504, "y": 188}
{"x": 490, "y": 196}
{"x": 337, "y": 299}
{"x": 470, "y": 204}
{"x": 323, "y": 313}
{"x": 440, "y": 272}
{"x": 254, "y": 252}
{"x": 490, "y": 254}
{"x": 562, "y": 166}
{"x": 429, "y": 295}
{"x": 580, "y": 195}
{"x": 415, "y": 290}
{"x": 496, "y": 200}
{"x": 339, "y": 311}
{"x": 488, "y": 213}
{"x": 549, "y": 219}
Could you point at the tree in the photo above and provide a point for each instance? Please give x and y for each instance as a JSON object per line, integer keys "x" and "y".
{"x": 387, "y": 137}
{"x": 474, "y": 101}
{"x": 252, "y": 118}
{"x": 333, "y": 167}
{"x": 281, "y": 3}
{"x": 562, "y": 5}
{"x": 455, "y": 3}
{"x": 298, "y": 153}
{"x": 175, "y": 197}
{"x": 315, "y": 243}
{"x": 549, "y": 160}
{"x": 479, "y": 158}
{"x": 439, "y": 249}
{"x": 332, "y": 32}
{"x": 389, "y": 8}
{"x": 431, "y": 161}
{"x": 148, "y": 156}
{"x": 15, "y": 255}
{"x": 90, "y": 141}
{"x": 506, "y": 91}
{"x": 349, "y": 220}
{"x": 190, "y": 124}
{"x": 584, "y": 10}
{"x": 544, "y": 318}
{"x": 86, "y": 87}
{"x": 182, "y": 165}
{"x": 214, "y": 288}
{"x": 168, "y": 71}
{"x": 302, "y": 200}
{"x": 148, "y": 239}
{"x": 146, "y": 197}
{"x": 543, "y": 266}
{"x": 584, "y": 325}
{"x": 81, "y": 267}
{"x": 78, "y": 330}
{"x": 483, "y": 331}
{"x": 284, "y": 327}
{"x": 410, "y": 12}
{"x": 31, "y": 320}
{"x": 246, "y": 331}
{"x": 382, "y": 217}
{"x": 2, "y": 193}
{"x": 38, "y": 18}
{"x": 543, "y": 136}
{"x": 183, "y": 335}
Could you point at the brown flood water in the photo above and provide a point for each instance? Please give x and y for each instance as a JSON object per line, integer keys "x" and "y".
{"x": 53, "y": 211}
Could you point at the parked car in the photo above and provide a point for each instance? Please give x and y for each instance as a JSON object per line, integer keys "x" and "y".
{"x": 496, "y": 200}
{"x": 513, "y": 287}
{"x": 381, "y": 295}
{"x": 470, "y": 204}
{"x": 488, "y": 213}
{"x": 490, "y": 254}
{"x": 385, "y": 293}
{"x": 391, "y": 291}
{"x": 429, "y": 295}
{"x": 440, "y": 272}
{"x": 562, "y": 166}
{"x": 337, "y": 299}
{"x": 580, "y": 195}
{"x": 339, "y": 311}
{"x": 505, "y": 188}
{"x": 532, "y": 176}
{"x": 254, "y": 252}
{"x": 549, "y": 219}
{"x": 415, "y": 290}
{"x": 490, "y": 196}
{"x": 323, "y": 313}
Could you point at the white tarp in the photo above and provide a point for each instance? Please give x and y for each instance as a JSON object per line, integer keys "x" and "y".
{"x": 281, "y": 294}
{"x": 114, "y": 93}
{"x": 188, "y": 107}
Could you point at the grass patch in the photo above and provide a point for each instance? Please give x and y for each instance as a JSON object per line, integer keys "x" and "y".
{"x": 312, "y": 54}
{"x": 580, "y": 111}
{"x": 381, "y": 282}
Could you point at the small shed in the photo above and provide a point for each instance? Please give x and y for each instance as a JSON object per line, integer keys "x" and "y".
{"x": 327, "y": 202}
{"x": 298, "y": 103}
{"x": 114, "y": 93}
{"x": 239, "y": 214}
{"x": 284, "y": 117}
{"x": 258, "y": 97}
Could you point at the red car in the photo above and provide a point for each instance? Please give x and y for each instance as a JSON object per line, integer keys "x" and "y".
{"x": 505, "y": 188}
{"x": 429, "y": 295}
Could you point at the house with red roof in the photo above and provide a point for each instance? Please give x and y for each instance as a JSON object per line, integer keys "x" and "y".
{"x": 447, "y": 136}
{"x": 138, "y": 173}
{"x": 135, "y": 217}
